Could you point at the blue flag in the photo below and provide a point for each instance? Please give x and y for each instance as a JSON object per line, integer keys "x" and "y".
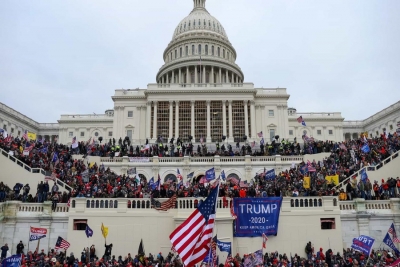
{"x": 152, "y": 184}
{"x": 13, "y": 261}
{"x": 304, "y": 169}
{"x": 365, "y": 148}
{"x": 223, "y": 175}
{"x": 88, "y": 231}
{"x": 190, "y": 175}
{"x": 210, "y": 174}
{"x": 389, "y": 242}
{"x": 224, "y": 246}
{"x": 303, "y": 123}
{"x": 363, "y": 244}
{"x": 270, "y": 175}
{"x": 55, "y": 156}
{"x": 364, "y": 175}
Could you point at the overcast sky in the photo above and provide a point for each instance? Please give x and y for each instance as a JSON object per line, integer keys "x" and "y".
{"x": 68, "y": 57}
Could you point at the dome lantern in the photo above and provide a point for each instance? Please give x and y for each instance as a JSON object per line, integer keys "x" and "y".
{"x": 199, "y": 3}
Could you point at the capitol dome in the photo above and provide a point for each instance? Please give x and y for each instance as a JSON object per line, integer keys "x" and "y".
{"x": 199, "y": 52}
{"x": 199, "y": 19}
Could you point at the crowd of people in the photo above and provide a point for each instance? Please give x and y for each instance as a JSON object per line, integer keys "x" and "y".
{"x": 91, "y": 180}
{"x": 309, "y": 258}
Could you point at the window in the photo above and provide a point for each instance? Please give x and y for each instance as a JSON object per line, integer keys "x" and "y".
{"x": 19, "y": 133}
{"x": 80, "y": 224}
{"x": 271, "y": 113}
{"x": 199, "y": 51}
{"x": 206, "y": 48}
{"x": 319, "y": 132}
{"x": 192, "y": 49}
{"x": 228, "y": 55}
{"x": 180, "y": 52}
{"x": 223, "y": 53}
{"x": 212, "y": 50}
{"x": 176, "y": 53}
{"x": 391, "y": 127}
{"x": 376, "y": 133}
{"x": 272, "y": 134}
{"x": 290, "y": 132}
{"x": 328, "y": 223}
{"x": 330, "y": 131}
{"x": 219, "y": 52}
{"x": 109, "y": 133}
{"x": 129, "y": 134}
{"x": 96, "y": 134}
{"x": 5, "y": 127}
{"x": 187, "y": 51}
{"x": 12, "y": 130}
{"x": 70, "y": 134}
{"x": 130, "y": 114}
{"x": 82, "y": 134}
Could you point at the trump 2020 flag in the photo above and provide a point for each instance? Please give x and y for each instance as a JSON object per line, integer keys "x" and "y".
{"x": 88, "y": 231}
{"x": 37, "y": 233}
{"x": 389, "y": 242}
{"x": 13, "y": 261}
{"x": 269, "y": 175}
{"x": 224, "y": 246}
{"x": 364, "y": 175}
{"x": 363, "y": 243}
{"x": 210, "y": 174}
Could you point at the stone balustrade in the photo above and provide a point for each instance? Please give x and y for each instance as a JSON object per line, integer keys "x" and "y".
{"x": 362, "y": 205}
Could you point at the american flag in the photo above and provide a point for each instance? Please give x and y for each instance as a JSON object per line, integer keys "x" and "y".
{"x": 253, "y": 144}
{"x": 260, "y": 134}
{"x": 265, "y": 239}
{"x": 169, "y": 204}
{"x": 25, "y": 135}
{"x": 179, "y": 175}
{"x": 233, "y": 180}
{"x": 300, "y": 119}
{"x": 392, "y": 231}
{"x": 228, "y": 260}
{"x": 310, "y": 167}
{"x": 192, "y": 238}
{"x": 62, "y": 243}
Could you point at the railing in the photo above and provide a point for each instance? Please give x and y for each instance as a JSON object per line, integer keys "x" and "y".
{"x": 262, "y": 159}
{"x": 378, "y": 205}
{"x": 108, "y": 159}
{"x": 30, "y": 207}
{"x": 319, "y": 114}
{"x": 172, "y": 159}
{"x": 310, "y": 202}
{"x": 365, "y": 205}
{"x": 369, "y": 168}
{"x": 292, "y": 158}
{"x": 33, "y": 170}
{"x": 345, "y": 205}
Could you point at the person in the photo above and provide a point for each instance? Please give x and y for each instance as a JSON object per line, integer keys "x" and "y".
{"x": 54, "y": 200}
{"x": 20, "y": 248}
{"x": 92, "y": 252}
{"x": 71, "y": 260}
{"x": 308, "y": 250}
{"x": 107, "y": 252}
{"x": 4, "y": 250}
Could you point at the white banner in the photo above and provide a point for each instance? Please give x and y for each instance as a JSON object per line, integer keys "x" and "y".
{"x": 139, "y": 159}
{"x": 26, "y": 153}
{"x": 37, "y": 233}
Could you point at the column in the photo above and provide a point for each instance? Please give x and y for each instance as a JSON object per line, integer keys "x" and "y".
{"x": 212, "y": 75}
{"x": 204, "y": 74}
{"x": 173, "y": 77}
{"x": 176, "y": 119}
{"x": 192, "y": 120}
{"x": 187, "y": 75}
{"x": 246, "y": 119}
{"x": 148, "y": 119}
{"x": 195, "y": 75}
{"x": 180, "y": 76}
{"x": 220, "y": 75}
{"x": 208, "y": 122}
{"x": 252, "y": 119}
{"x": 155, "y": 121}
{"x": 224, "y": 117}
{"x": 171, "y": 111}
{"x": 230, "y": 121}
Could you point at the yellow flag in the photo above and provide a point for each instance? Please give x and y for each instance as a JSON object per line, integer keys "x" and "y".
{"x": 334, "y": 179}
{"x": 31, "y": 136}
{"x": 91, "y": 164}
{"x": 306, "y": 182}
{"x": 104, "y": 230}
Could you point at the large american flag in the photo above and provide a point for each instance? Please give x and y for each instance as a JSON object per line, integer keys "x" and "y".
{"x": 166, "y": 205}
{"x": 392, "y": 231}
{"x": 62, "y": 243}
{"x": 192, "y": 238}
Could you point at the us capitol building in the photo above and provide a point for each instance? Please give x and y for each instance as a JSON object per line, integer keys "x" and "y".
{"x": 200, "y": 92}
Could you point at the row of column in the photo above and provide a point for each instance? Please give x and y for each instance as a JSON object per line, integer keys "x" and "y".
{"x": 208, "y": 102}
{"x": 219, "y": 75}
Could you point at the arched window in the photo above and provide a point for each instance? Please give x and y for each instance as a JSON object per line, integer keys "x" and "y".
{"x": 205, "y": 23}
{"x": 192, "y": 49}
{"x": 171, "y": 178}
{"x": 209, "y": 23}
{"x": 187, "y": 51}
{"x": 228, "y": 55}
{"x": 189, "y": 24}
{"x": 199, "y": 23}
{"x": 199, "y": 51}
{"x": 184, "y": 27}
{"x": 223, "y": 53}
{"x": 180, "y": 52}
{"x": 219, "y": 52}
{"x": 212, "y": 50}
{"x": 206, "y": 49}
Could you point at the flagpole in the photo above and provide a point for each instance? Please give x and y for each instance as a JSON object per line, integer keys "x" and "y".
{"x": 29, "y": 238}
{"x": 215, "y": 224}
